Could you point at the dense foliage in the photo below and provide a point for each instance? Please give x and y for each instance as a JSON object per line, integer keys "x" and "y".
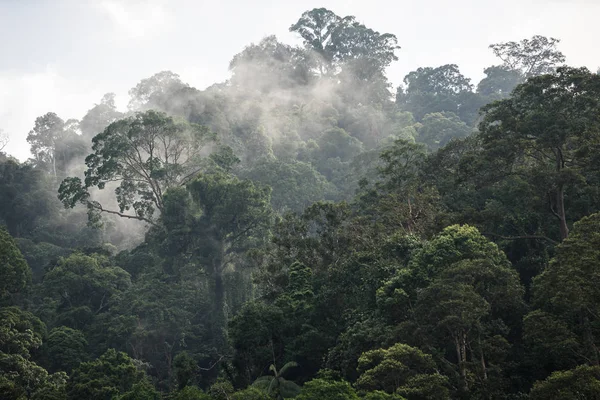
{"x": 301, "y": 231}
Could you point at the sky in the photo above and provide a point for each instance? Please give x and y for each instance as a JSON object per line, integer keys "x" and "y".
{"x": 63, "y": 55}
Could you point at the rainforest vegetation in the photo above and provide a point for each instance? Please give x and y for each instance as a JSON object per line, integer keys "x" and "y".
{"x": 306, "y": 230}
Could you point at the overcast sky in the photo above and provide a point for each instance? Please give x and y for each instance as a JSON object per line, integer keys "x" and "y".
{"x": 63, "y": 55}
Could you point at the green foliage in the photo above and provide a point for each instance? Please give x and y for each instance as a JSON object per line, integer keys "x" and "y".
{"x": 250, "y": 393}
{"x": 392, "y": 369}
{"x": 222, "y": 389}
{"x": 438, "y": 129}
{"x": 567, "y": 291}
{"x": 21, "y": 333}
{"x": 84, "y": 286}
{"x": 529, "y": 135}
{"x": 14, "y": 270}
{"x": 65, "y": 348}
{"x": 327, "y": 390}
{"x": 112, "y": 374}
{"x": 276, "y": 385}
{"x": 26, "y": 201}
{"x": 379, "y": 395}
{"x": 147, "y": 154}
{"x": 531, "y": 57}
{"x": 191, "y": 393}
{"x": 582, "y": 382}
{"x": 295, "y": 185}
{"x": 54, "y": 143}
{"x": 143, "y": 390}
{"x": 413, "y": 287}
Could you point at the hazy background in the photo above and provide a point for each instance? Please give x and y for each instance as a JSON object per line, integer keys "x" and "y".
{"x": 62, "y": 56}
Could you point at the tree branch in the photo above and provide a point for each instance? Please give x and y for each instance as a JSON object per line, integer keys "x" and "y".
{"x": 537, "y": 237}
{"x": 99, "y": 207}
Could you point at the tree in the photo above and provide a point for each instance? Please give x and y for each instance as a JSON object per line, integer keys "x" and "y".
{"x": 65, "y": 348}
{"x": 191, "y": 393}
{"x": 499, "y": 82}
{"x": 14, "y": 270}
{"x": 146, "y": 154}
{"x": 110, "y": 375}
{"x": 48, "y": 130}
{"x": 256, "y": 333}
{"x": 431, "y": 90}
{"x": 327, "y": 390}
{"x": 295, "y": 185}
{"x": 143, "y": 390}
{"x": 459, "y": 293}
{"x": 54, "y": 143}
{"x": 546, "y": 132}
{"x": 568, "y": 290}
{"x": 270, "y": 65}
{"x": 214, "y": 220}
{"x": 401, "y": 196}
{"x": 582, "y": 382}
{"x": 250, "y": 393}
{"x": 99, "y": 117}
{"x": 391, "y": 369}
{"x": 437, "y": 129}
{"x": 155, "y": 92}
{"x": 21, "y": 334}
{"x": 276, "y": 385}
{"x": 316, "y": 27}
{"x": 26, "y": 202}
{"x": 535, "y": 56}
{"x": 344, "y": 41}
{"x": 84, "y": 287}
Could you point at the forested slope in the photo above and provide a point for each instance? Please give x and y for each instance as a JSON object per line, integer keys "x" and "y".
{"x": 306, "y": 230}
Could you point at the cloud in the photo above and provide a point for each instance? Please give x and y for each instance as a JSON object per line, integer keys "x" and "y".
{"x": 137, "y": 20}
{"x": 24, "y": 97}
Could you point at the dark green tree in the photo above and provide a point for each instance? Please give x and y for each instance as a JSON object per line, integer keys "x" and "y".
{"x": 112, "y": 374}
{"x": 276, "y": 385}
{"x": 14, "y": 270}
{"x": 546, "y": 133}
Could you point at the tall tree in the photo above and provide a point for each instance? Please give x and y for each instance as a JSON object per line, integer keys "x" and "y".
{"x": 547, "y": 133}
{"x": 145, "y": 154}
{"x": 430, "y": 90}
{"x": 344, "y": 41}
{"x": 214, "y": 220}
{"x": 568, "y": 290}
{"x": 316, "y": 27}
{"x": 99, "y": 117}
{"x": 155, "y": 92}
{"x": 535, "y": 56}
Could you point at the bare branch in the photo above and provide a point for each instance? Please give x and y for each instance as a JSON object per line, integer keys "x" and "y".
{"x": 535, "y": 237}
{"x": 3, "y": 139}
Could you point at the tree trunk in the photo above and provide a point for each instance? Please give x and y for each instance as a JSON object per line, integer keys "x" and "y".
{"x": 560, "y": 206}
{"x": 219, "y": 318}
{"x": 483, "y": 367}
{"x": 589, "y": 341}
{"x": 461, "y": 354}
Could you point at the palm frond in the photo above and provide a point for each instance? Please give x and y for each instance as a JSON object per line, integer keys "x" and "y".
{"x": 286, "y": 367}
{"x": 288, "y": 388}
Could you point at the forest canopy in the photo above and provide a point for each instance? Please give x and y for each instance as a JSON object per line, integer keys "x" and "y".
{"x": 305, "y": 230}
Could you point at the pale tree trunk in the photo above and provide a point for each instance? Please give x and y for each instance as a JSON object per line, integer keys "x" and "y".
{"x": 560, "y": 205}
{"x": 460, "y": 340}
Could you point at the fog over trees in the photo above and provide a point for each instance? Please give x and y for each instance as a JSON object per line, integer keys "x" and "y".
{"x": 306, "y": 229}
